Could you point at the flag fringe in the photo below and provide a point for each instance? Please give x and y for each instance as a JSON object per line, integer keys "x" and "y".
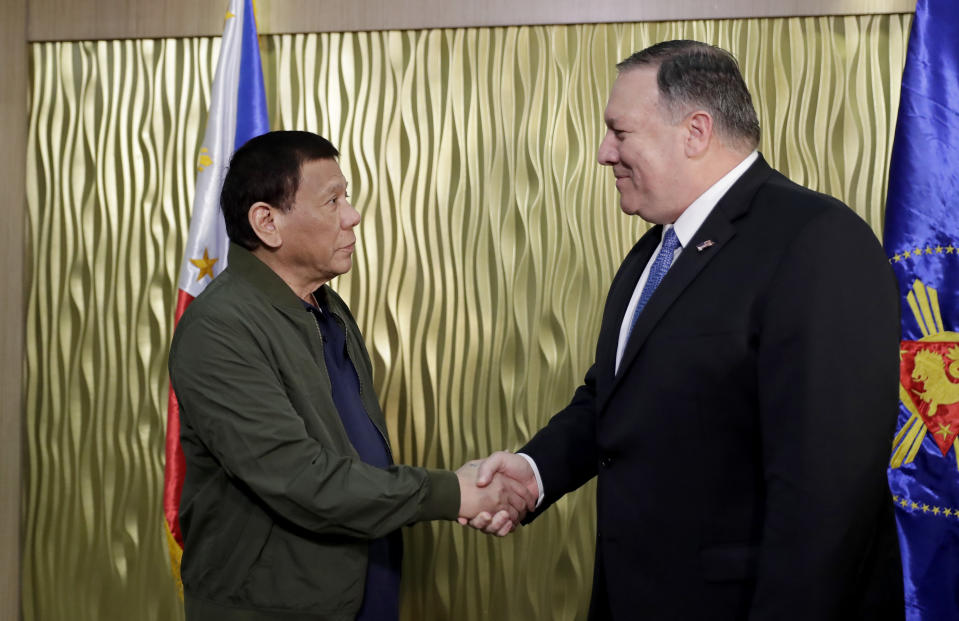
{"x": 176, "y": 557}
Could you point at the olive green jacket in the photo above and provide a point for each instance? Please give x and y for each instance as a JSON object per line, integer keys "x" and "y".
{"x": 277, "y": 507}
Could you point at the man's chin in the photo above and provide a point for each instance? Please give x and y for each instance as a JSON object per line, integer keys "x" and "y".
{"x": 628, "y": 208}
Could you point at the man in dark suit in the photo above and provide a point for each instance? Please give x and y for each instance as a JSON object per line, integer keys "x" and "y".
{"x": 740, "y": 408}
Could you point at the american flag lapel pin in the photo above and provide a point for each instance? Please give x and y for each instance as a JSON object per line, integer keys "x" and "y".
{"x": 704, "y": 245}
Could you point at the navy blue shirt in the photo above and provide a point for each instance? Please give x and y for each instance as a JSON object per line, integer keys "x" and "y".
{"x": 381, "y": 598}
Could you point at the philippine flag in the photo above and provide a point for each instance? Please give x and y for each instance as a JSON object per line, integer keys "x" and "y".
{"x": 237, "y": 113}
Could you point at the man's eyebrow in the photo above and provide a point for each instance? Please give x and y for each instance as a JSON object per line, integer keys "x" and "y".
{"x": 336, "y": 184}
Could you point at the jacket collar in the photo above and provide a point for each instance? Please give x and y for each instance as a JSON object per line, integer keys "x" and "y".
{"x": 244, "y": 264}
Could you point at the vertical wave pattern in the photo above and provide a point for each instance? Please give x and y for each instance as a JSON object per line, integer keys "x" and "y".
{"x": 489, "y": 238}
{"x": 114, "y": 131}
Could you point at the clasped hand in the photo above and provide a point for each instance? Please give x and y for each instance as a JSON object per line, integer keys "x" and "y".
{"x": 496, "y": 492}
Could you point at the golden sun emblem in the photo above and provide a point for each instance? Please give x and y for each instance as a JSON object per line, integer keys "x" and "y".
{"x": 928, "y": 381}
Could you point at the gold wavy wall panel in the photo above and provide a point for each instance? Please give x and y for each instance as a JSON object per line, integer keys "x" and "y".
{"x": 488, "y": 241}
{"x": 113, "y": 136}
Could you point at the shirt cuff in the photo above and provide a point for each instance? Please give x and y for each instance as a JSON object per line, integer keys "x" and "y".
{"x": 539, "y": 479}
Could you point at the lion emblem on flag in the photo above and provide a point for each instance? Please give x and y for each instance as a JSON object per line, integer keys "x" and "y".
{"x": 928, "y": 381}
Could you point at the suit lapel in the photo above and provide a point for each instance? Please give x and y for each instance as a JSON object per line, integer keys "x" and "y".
{"x": 719, "y": 228}
{"x": 621, "y": 292}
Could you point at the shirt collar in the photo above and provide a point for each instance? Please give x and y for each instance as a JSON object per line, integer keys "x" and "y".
{"x": 689, "y": 222}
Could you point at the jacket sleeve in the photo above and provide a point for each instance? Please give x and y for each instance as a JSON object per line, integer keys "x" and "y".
{"x": 565, "y": 449}
{"x": 234, "y": 407}
{"x": 827, "y": 371}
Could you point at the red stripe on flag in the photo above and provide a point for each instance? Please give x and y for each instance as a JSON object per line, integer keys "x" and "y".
{"x": 175, "y": 466}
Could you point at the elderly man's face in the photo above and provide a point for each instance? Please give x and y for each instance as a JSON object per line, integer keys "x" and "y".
{"x": 318, "y": 237}
{"x": 645, "y": 150}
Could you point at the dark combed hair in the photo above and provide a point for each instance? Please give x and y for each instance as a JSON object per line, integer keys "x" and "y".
{"x": 267, "y": 168}
{"x": 696, "y": 74}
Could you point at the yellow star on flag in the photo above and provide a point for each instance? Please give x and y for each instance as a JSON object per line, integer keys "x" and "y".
{"x": 944, "y": 430}
{"x": 205, "y": 265}
{"x": 204, "y": 159}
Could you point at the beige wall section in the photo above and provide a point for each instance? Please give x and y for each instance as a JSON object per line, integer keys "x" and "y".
{"x": 62, "y": 20}
{"x": 13, "y": 124}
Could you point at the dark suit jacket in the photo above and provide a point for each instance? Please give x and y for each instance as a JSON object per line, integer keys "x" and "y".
{"x": 741, "y": 450}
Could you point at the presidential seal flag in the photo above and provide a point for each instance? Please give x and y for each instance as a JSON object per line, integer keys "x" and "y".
{"x": 922, "y": 239}
{"x": 237, "y": 113}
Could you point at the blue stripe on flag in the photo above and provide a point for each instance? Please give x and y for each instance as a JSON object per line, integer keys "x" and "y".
{"x": 251, "y": 114}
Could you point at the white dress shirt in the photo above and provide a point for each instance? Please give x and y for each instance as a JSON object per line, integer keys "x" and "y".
{"x": 685, "y": 226}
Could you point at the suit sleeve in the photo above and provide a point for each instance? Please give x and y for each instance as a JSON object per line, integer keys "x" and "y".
{"x": 565, "y": 449}
{"x": 234, "y": 404}
{"x": 827, "y": 370}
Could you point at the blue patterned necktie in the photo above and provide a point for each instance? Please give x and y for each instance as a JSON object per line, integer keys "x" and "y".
{"x": 656, "y": 273}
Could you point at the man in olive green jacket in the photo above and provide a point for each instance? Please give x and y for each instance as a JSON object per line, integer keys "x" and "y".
{"x": 291, "y": 501}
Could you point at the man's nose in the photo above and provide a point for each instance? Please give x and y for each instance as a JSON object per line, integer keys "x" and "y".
{"x": 351, "y": 217}
{"x": 607, "y": 154}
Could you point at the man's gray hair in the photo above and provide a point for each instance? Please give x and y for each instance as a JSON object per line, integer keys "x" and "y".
{"x": 694, "y": 74}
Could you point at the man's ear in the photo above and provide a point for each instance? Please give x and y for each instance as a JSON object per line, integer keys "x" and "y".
{"x": 699, "y": 126}
{"x": 263, "y": 223}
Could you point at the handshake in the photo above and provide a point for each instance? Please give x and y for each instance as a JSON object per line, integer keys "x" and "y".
{"x": 496, "y": 492}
